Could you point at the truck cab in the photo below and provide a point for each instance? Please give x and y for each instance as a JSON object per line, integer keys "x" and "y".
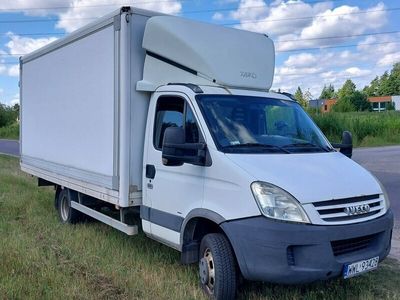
{"x": 253, "y": 168}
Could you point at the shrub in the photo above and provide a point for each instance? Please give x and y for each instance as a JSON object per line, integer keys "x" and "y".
{"x": 368, "y": 128}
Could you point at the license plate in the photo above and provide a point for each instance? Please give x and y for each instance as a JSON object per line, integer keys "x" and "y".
{"x": 357, "y": 268}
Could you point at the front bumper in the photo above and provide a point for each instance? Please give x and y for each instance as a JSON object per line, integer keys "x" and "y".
{"x": 289, "y": 253}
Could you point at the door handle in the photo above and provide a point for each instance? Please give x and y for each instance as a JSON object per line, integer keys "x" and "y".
{"x": 150, "y": 171}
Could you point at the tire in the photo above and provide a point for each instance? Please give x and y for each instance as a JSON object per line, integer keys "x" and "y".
{"x": 217, "y": 267}
{"x": 66, "y": 213}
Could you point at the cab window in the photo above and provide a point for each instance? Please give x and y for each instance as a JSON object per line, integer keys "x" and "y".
{"x": 174, "y": 112}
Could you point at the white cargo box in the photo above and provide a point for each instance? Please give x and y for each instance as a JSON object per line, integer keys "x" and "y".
{"x": 84, "y": 98}
{"x": 81, "y": 118}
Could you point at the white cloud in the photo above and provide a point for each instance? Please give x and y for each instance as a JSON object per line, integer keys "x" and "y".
{"x": 78, "y": 15}
{"x": 312, "y": 71}
{"x": 3, "y": 69}
{"x": 389, "y": 59}
{"x": 30, "y": 7}
{"x": 355, "y": 71}
{"x": 301, "y": 60}
{"x": 14, "y": 100}
{"x": 314, "y": 81}
{"x": 218, "y": 16}
{"x": 250, "y": 10}
{"x": 223, "y": 2}
{"x": 340, "y": 21}
{"x": 269, "y": 19}
{"x": 382, "y": 44}
{"x": 345, "y": 20}
{"x": 13, "y": 71}
{"x": 382, "y": 49}
{"x": 289, "y": 24}
{"x": 22, "y": 45}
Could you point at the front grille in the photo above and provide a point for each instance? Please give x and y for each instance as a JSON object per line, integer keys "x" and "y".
{"x": 336, "y": 211}
{"x": 351, "y": 245}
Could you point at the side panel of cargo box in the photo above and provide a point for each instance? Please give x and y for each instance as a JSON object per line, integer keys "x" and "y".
{"x": 77, "y": 99}
{"x": 68, "y": 110}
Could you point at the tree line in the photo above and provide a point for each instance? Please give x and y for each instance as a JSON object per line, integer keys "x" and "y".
{"x": 8, "y": 114}
{"x": 351, "y": 99}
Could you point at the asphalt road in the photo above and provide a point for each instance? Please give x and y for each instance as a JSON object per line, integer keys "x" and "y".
{"x": 9, "y": 147}
{"x": 384, "y": 163}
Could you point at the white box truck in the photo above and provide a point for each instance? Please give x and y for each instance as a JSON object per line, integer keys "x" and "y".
{"x": 170, "y": 123}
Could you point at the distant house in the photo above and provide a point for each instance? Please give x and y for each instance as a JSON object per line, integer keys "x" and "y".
{"x": 316, "y": 103}
{"x": 378, "y": 103}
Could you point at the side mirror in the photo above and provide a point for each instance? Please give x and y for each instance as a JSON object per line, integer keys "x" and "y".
{"x": 176, "y": 152}
{"x": 346, "y": 147}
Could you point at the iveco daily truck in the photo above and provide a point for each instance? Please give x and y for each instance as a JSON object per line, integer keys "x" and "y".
{"x": 170, "y": 123}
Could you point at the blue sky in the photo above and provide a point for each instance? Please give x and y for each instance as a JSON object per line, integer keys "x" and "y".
{"x": 317, "y": 42}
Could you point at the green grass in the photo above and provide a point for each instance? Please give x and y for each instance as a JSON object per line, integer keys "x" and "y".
{"x": 368, "y": 128}
{"x": 43, "y": 259}
{"x": 10, "y": 132}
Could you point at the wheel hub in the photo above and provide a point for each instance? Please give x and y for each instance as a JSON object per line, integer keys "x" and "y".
{"x": 203, "y": 271}
{"x": 64, "y": 208}
{"x": 207, "y": 270}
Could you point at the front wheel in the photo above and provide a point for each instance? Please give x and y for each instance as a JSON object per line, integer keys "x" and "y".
{"x": 217, "y": 267}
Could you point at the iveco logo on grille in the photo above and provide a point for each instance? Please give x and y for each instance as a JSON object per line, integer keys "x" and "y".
{"x": 357, "y": 209}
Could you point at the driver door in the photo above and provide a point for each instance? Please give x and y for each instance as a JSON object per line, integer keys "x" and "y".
{"x": 171, "y": 191}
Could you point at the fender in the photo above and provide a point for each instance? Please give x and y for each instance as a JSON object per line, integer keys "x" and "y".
{"x": 200, "y": 213}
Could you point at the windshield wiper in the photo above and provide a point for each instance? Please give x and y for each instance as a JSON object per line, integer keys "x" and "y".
{"x": 256, "y": 145}
{"x": 305, "y": 145}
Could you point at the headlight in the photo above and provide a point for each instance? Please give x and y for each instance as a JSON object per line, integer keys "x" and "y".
{"x": 385, "y": 194}
{"x": 276, "y": 203}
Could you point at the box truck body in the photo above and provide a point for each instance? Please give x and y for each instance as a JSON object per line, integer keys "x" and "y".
{"x": 79, "y": 120}
{"x": 170, "y": 123}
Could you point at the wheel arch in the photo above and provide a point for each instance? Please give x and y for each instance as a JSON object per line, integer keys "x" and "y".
{"x": 197, "y": 224}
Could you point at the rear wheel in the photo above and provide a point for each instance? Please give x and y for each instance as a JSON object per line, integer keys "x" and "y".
{"x": 217, "y": 267}
{"x": 65, "y": 212}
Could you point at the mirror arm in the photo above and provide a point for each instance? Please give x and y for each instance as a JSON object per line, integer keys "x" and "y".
{"x": 336, "y": 145}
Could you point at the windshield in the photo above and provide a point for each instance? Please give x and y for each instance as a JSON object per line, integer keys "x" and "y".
{"x": 243, "y": 124}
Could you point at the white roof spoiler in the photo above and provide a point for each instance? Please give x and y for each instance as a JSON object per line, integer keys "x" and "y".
{"x": 182, "y": 50}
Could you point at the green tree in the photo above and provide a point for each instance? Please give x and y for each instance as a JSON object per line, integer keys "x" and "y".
{"x": 300, "y": 97}
{"x": 371, "y": 90}
{"x": 347, "y": 89}
{"x": 394, "y": 79}
{"x": 343, "y": 105}
{"x": 385, "y": 86}
{"x": 328, "y": 92}
{"x": 7, "y": 115}
{"x": 359, "y": 101}
{"x": 390, "y": 106}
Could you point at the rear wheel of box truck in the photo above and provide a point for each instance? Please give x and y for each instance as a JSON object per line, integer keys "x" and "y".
{"x": 63, "y": 204}
{"x": 217, "y": 267}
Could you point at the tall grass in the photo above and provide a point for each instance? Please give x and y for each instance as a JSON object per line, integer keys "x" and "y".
{"x": 10, "y": 131}
{"x": 368, "y": 128}
{"x": 43, "y": 259}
